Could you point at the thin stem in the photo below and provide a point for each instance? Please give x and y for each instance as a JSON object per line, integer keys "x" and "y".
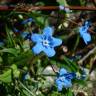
{"x": 28, "y": 8}
{"x": 76, "y": 43}
{"x": 45, "y": 75}
{"x": 52, "y": 66}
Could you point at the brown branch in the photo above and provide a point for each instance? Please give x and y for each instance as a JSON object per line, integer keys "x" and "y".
{"x": 87, "y": 55}
{"x": 30, "y": 8}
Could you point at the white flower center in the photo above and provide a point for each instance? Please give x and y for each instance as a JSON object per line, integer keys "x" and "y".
{"x": 62, "y": 78}
{"x": 45, "y": 42}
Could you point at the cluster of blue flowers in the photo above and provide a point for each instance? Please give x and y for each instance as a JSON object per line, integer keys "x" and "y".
{"x": 46, "y": 43}
{"x": 64, "y": 78}
{"x": 84, "y": 32}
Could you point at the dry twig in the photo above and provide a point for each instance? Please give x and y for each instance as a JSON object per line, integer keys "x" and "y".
{"x": 86, "y": 56}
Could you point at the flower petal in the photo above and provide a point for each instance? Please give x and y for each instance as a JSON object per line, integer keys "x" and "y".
{"x": 49, "y": 51}
{"x": 48, "y": 31}
{"x": 82, "y": 30}
{"x": 62, "y": 71}
{"x": 37, "y": 48}
{"x": 27, "y": 20}
{"x": 67, "y": 83}
{"x": 36, "y": 37}
{"x": 86, "y": 37}
{"x": 59, "y": 84}
{"x": 56, "y": 42}
{"x": 88, "y": 23}
{"x": 70, "y": 75}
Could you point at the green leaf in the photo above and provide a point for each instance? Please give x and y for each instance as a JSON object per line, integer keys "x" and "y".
{"x": 7, "y": 75}
{"x": 82, "y": 2}
{"x": 26, "y": 93}
{"x": 10, "y": 39}
{"x": 25, "y": 90}
{"x": 62, "y": 2}
{"x": 1, "y": 59}
{"x": 10, "y": 50}
{"x": 70, "y": 93}
{"x": 23, "y": 58}
{"x": 73, "y": 66}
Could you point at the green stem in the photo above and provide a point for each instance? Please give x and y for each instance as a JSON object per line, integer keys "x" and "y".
{"x": 32, "y": 62}
{"x": 26, "y": 89}
{"x": 77, "y": 42}
{"x": 46, "y": 75}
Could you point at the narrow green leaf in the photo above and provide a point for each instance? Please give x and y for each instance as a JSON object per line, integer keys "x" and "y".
{"x": 10, "y": 39}
{"x": 10, "y": 50}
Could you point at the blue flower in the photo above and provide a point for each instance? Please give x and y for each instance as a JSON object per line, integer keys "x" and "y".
{"x": 84, "y": 32}
{"x": 45, "y": 42}
{"x": 22, "y": 23}
{"x": 64, "y": 79}
{"x": 27, "y": 20}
